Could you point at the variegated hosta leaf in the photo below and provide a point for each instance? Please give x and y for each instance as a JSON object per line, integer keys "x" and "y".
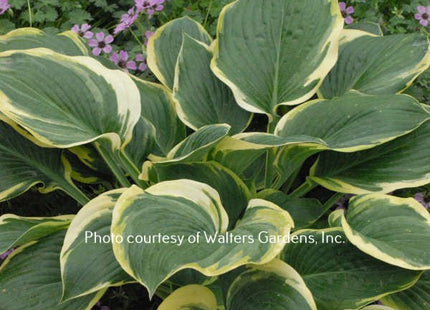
{"x": 89, "y": 156}
{"x": 354, "y": 121}
{"x": 24, "y": 164}
{"x": 274, "y": 286}
{"x": 415, "y": 298}
{"x": 198, "y": 145}
{"x": 142, "y": 144}
{"x": 164, "y": 46}
{"x": 376, "y": 65}
{"x": 338, "y": 274}
{"x": 237, "y": 154}
{"x": 233, "y": 192}
{"x": 88, "y": 265}
{"x": 394, "y": 230}
{"x": 335, "y": 218}
{"x": 82, "y": 173}
{"x": 304, "y": 211}
{"x": 30, "y": 278}
{"x": 401, "y": 163}
{"x": 269, "y": 53}
{"x": 17, "y": 230}
{"x": 84, "y": 102}
{"x": 183, "y": 208}
{"x": 67, "y": 43}
{"x": 370, "y": 27}
{"x": 201, "y": 98}
{"x": 190, "y": 297}
{"x": 158, "y": 108}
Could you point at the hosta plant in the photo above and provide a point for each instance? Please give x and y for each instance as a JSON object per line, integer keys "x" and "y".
{"x": 202, "y": 205}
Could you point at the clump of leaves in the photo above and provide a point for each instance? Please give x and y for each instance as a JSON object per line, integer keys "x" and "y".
{"x": 186, "y": 198}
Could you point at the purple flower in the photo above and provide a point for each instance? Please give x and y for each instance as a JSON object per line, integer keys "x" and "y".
{"x": 126, "y": 20}
{"x": 121, "y": 59}
{"x": 149, "y": 6}
{"x": 346, "y": 12}
{"x": 423, "y": 199}
{"x": 4, "y": 6}
{"x": 6, "y": 254}
{"x": 142, "y": 66}
{"x": 83, "y": 31}
{"x": 423, "y": 15}
{"x": 101, "y": 43}
{"x": 148, "y": 34}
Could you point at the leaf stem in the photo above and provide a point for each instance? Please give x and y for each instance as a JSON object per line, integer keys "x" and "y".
{"x": 136, "y": 38}
{"x": 332, "y": 200}
{"x": 75, "y": 193}
{"x": 132, "y": 170}
{"x": 303, "y": 189}
{"x": 30, "y": 14}
{"x": 207, "y": 13}
{"x": 111, "y": 160}
{"x": 271, "y": 153}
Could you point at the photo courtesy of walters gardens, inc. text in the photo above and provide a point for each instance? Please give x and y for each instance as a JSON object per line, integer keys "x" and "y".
{"x": 214, "y": 155}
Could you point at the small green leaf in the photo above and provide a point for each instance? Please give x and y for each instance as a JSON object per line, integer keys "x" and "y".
{"x": 30, "y": 278}
{"x": 87, "y": 262}
{"x": 201, "y": 98}
{"x": 401, "y": 163}
{"x": 377, "y": 65}
{"x": 17, "y": 230}
{"x": 24, "y": 165}
{"x": 394, "y": 230}
{"x": 165, "y": 44}
{"x": 158, "y": 107}
{"x": 304, "y": 211}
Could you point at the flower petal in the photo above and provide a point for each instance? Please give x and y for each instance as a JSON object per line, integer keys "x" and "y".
{"x": 97, "y": 51}
{"x": 100, "y": 36}
{"x": 93, "y": 43}
{"x": 418, "y": 16}
{"x": 109, "y": 39}
{"x": 88, "y": 35}
{"x": 342, "y": 6}
{"x": 131, "y": 65}
{"x": 75, "y": 28}
{"x": 350, "y": 10}
{"x": 115, "y": 58}
{"x": 348, "y": 20}
{"x": 142, "y": 66}
{"x": 424, "y": 22}
{"x": 421, "y": 9}
{"x": 123, "y": 55}
{"x": 85, "y": 27}
{"x": 140, "y": 57}
{"x": 107, "y": 49}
